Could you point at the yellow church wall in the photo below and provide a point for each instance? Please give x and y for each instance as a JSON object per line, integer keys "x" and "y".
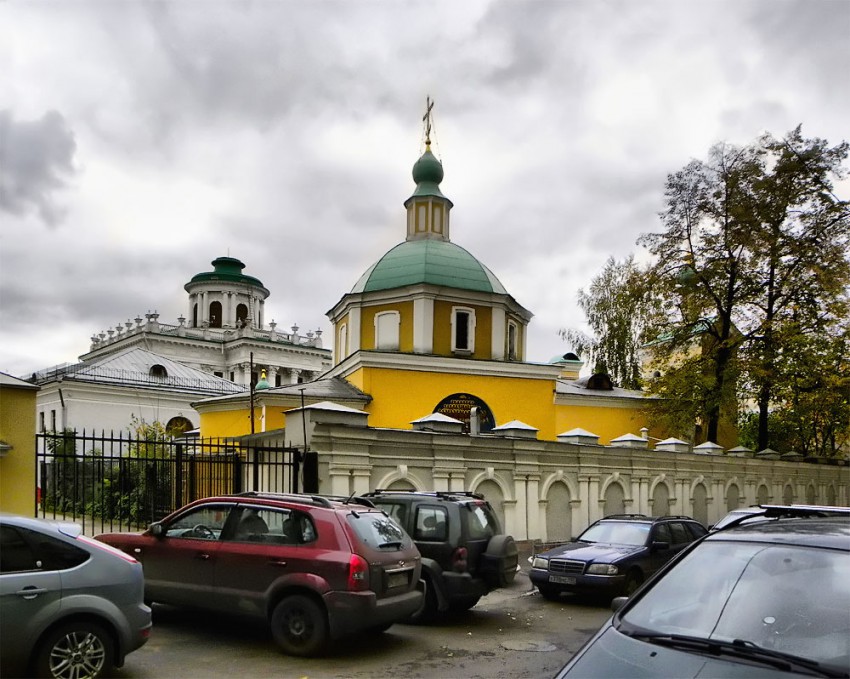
{"x": 443, "y": 329}
{"x": 400, "y": 396}
{"x": 367, "y": 325}
{"x": 237, "y": 422}
{"x": 607, "y": 422}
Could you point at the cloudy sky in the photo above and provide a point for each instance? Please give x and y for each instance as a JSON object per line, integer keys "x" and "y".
{"x": 141, "y": 140}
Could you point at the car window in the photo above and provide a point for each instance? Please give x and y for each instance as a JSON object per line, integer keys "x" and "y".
{"x": 22, "y": 549}
{"x": 431, "y": 524}
{"x": 696, "y": 529}
{"x": 661, "y": 533}
{"x": 378, "y": 531}
{"x": 201, "y": 523}
{"x": 617, "y": 532}
{"x": 277, "y": 526}
{"x": 680, "y": 533}
{"x": 756, "y": 592}
{"x": 482, "y": 522}
{"x": 396, "y": 511}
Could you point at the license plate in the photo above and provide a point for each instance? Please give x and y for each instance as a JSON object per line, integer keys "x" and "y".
{"x": 397, "y": 580}
{"x": 562, "y": 579}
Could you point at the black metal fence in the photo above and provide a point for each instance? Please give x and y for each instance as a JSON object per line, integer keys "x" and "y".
{"x": 123, "y": 482}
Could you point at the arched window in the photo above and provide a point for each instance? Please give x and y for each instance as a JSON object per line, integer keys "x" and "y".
{"x": 342, "y": 345}
{"x": 463, "y": 330}
{"x": 241, "y": 315}
{"x": 177, "y": 426}
{"x": 513, "y": 332}
{"x": 215, "y": 314}
{"x": 158, "y": 371}
{"x": 387, "y": 330}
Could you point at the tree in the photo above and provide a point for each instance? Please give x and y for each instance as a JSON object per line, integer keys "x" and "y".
{"x": 753, "y": 256}
{"x": 616, "y": 307}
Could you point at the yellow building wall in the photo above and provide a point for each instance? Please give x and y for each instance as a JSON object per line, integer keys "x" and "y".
{"x": 400, "y": 396}
{"x": 405, "y": 331}
{"x": 606, "y": 422}
{"x": 17, "y": 466}
{"x": 443, "y": 329}
{"x": 237, "y": 422}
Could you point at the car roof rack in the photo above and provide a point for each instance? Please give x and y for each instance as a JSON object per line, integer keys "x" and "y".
{"x": 626, "y": 516}
{"x": 350, "y": 500}
{"x": 316, "y": 500}
{"x": 448, "y": 494}
{"x": 787, "y": 512}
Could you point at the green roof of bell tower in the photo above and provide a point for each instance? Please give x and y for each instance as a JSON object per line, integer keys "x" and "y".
{"x": 226, "y": 269}
{"x": 428, "y": 173}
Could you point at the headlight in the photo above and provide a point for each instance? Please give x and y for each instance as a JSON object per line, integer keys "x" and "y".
{"x": 540, "y": 562}
{"x": 602, "y": 569}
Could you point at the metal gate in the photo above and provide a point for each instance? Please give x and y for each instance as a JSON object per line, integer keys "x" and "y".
{"x": 109, "y": 483}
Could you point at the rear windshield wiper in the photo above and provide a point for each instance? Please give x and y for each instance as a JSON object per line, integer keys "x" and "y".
{"x": 396, "y": 544}
{"x": 740, "y": 648}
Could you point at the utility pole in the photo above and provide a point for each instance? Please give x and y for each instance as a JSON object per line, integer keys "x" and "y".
{"x": 251, "y": 382}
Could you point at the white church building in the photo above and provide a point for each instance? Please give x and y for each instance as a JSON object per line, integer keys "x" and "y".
{"x": 153, "y": 371}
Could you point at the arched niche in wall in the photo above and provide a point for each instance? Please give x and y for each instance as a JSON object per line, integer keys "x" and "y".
{"x": 459, "y": 406}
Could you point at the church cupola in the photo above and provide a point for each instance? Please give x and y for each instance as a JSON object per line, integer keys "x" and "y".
{"x": 428, "y": 209}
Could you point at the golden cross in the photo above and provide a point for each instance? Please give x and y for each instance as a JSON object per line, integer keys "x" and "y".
{"x": 427, "y": 119}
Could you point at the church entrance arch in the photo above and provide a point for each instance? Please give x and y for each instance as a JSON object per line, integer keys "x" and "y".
{"x": 459, "y": 406}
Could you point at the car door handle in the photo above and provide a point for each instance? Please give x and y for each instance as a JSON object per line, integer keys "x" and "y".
{"x": 278, "y": 563}
{"x": 203, "y": 556}
{"x": 31, "y": 592}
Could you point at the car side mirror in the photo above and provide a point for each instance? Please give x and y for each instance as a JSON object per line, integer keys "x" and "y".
{"x": 157, "y": 530}
{"x": 617, "y": 603}
{"x": 659, "y": 546}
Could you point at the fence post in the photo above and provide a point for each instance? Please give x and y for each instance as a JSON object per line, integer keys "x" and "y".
{"x": 177, "y": 499}
{"x": 311, "y": 472}
{"x": 237, "y": 472}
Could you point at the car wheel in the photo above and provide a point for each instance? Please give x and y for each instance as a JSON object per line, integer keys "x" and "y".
{"x": 428, "y": 610}
{"x": 500, "y": 561}
{"x": 634, "y": 579}
{"x": 549, "y": 593}
{"x": 299, "y": 626}
{"x": 73, "y": 650}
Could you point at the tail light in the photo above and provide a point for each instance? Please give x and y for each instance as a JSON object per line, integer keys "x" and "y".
{"x": 459, "y": 557}
{"x": 358, "y": 574}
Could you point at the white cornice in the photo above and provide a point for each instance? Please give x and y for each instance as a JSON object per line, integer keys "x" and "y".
{"x": 442, "y": 364}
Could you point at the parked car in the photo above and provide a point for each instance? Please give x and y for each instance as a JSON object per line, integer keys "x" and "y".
{"x": 613, "y": 555}
{"x": 762, "y": 599}
{"x": 757, "y": 513}
{"x": 315, "y": 568}
{"x": 70, "y": 607}
{"x": 465, "y": 554}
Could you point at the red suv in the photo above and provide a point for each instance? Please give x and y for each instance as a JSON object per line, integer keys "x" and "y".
{"x": 316, "y": 568}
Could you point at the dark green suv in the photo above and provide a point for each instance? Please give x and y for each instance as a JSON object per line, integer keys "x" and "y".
{"x": 465, "y": 554}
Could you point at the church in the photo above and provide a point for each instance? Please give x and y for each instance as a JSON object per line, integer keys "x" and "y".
{"x": 429, "y": 329}
{"x": 152, "y": 371}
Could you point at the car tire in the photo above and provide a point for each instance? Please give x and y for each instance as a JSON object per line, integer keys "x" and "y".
{"x": 500, "y": 561}
{"x": 634, "y": 579}
{"x": 75, "y": 649}
{"x": 299, "y": 626}
{"x": 427, "y": 612}
{"x": 549, "y": 593}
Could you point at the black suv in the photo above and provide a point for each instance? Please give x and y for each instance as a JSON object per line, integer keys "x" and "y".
{"x": 465, "y": 555}
{"x": 315, "y": 568}
{"x": 614, "y": 555}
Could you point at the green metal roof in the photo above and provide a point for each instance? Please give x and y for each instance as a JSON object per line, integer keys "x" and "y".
{"x": 429, "y": 261}
{"x": 226, "y": 269}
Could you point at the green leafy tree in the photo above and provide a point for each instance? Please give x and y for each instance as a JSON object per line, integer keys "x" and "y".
{"x": 616, "y": 305}
{"x": 753, "y": 253}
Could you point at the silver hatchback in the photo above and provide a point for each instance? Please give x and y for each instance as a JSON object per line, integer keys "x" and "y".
{"x": 69, "y": 606}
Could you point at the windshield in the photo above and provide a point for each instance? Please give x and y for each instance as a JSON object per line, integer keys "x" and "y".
{"x": 617, "y": 532}
{"x": 784, "y": 598}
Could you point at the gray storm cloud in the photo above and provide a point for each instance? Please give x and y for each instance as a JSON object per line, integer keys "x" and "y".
{"x": 36, "y": 160}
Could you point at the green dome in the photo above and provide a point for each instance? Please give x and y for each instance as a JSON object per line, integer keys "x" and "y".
{"x": 428, "y": 173}
{"x": 433, "y": 262}
{"x": 226, "y": 269}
